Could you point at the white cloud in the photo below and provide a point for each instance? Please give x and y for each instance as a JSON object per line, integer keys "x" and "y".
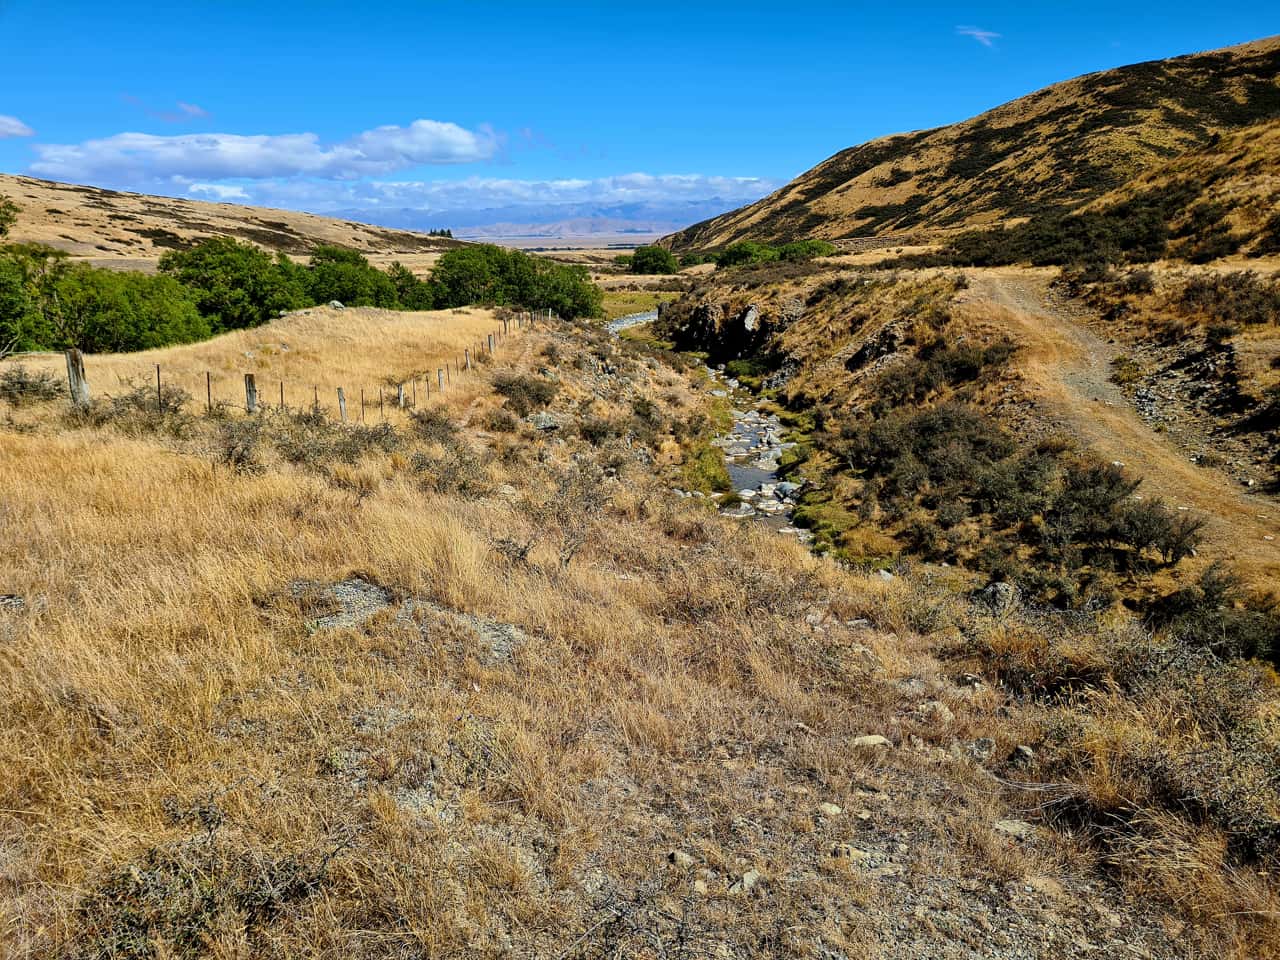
{"x": 222, "y": 192}
{"x": 479, "y": 193}
{"x": 192, "y": 110}
{"x": 987, "y": 38}
{"x": 13, "y": 127}
{"x": 143, "y": 157}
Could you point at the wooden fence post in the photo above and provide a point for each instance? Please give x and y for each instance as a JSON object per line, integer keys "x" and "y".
{"x": 440, "y": 380}
{"x": 491, "y": 344}
{"x": 447, "y": 377}
{"x": 362, "y": 404}
{"x": 281, "y": 394}
{"x": 250, "y": 393}
{"x": 414, "y": 381}
{"x": 208, "y": 392}
{"x": 400, "y": 395}
{"x": 342, "y": 405}
{"x": 76, "y": 381}
{"x": 466, "y": 355}
{"x": 159, "y": 395}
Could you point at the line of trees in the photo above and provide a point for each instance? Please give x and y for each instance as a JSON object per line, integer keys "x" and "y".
{"x": 48, "y": 301}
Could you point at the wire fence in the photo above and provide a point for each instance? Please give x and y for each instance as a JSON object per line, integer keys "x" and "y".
{"x": 254, "y": 391}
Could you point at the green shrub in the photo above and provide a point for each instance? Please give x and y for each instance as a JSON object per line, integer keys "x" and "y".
{"x": 1238, "y": 297}
{"x": 746, "y": 252}
{"x": 524, "y": 393}
{"x": 653, "y": 259}
{"x": 805, "y": 250}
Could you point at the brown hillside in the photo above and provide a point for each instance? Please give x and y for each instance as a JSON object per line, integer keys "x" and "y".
{"x": 1061, "y": 146}
{"x": 131, "y": 230}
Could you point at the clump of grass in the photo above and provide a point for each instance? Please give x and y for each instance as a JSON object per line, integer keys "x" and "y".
{"x": 704, "y": 470}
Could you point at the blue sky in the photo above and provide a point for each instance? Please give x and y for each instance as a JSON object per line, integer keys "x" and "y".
{"x": 442, "y": 108}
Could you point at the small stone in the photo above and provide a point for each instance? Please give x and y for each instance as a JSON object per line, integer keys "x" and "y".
{"x": 749, "y": 881}
{"x": 935, "y": 711}
{"x": 700, "y": 887}
{"x": 680, "y": 860}
{"x": 1018, "y": 829}
{"x": 508, "y": 491}
{"x": 829, "y": 810}
{"x": 872, "y": 741}
{"x": 1022, "y": 754}
{"x": 982, "y": 749}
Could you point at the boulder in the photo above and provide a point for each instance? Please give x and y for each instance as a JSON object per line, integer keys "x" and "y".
{"x": 871, "y": 741}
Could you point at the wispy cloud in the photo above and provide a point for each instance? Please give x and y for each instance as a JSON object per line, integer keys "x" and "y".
{"x": 13, "y": 127}
{"x": 987, "y": 38}
{"x": 182, "y": 112}
{"x": 143, "y": 157}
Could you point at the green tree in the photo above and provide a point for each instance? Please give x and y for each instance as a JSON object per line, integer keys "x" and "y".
{"x": 338, "y": 273}
{"x": 653, "y": 259}
{"x": 106, "y": 311}
{"x": 235, "y": 284}
{"x": 411, "y": 293}
{"x": 8, "y": 215}
{"x": 484, "y": 273}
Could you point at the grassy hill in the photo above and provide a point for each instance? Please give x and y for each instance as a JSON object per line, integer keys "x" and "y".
{"x": 132, "y": 231}
{"x": 1062, "y": 146}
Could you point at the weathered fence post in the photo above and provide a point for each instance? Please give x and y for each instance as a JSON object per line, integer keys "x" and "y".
{"x": 447, "y": 377}
{"x": 159, "y": 395}
{"x": 342, "y": 405}
{"x": 362, "y": 404}
{"x": 76, "y": 382}
{"x": 440, "y": 380}
{"x": 208, "y": 392}
{"x": 415, "y": 392}
{"x": 382, "y": 411}
{"x": 281, "y": 394}
{"x": 400, "y": 395}
{"x": 250, "y": 393}
{"x": 491, "y": 344}
{"x": 466, "y": 356}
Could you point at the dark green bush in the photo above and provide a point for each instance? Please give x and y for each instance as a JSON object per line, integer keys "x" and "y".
{"x": 524, "y": 393}
{"x": 653, "y": 259}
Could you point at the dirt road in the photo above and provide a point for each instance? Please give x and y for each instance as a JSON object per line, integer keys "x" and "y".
{"x": 1067, "y": 369}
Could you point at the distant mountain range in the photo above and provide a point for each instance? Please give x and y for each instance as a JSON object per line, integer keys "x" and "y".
{"x": 547, "y": 220}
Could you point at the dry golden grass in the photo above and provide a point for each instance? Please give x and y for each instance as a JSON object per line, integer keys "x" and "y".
{"x": 184, "y": 745}
{"x": 313, "y": 351}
